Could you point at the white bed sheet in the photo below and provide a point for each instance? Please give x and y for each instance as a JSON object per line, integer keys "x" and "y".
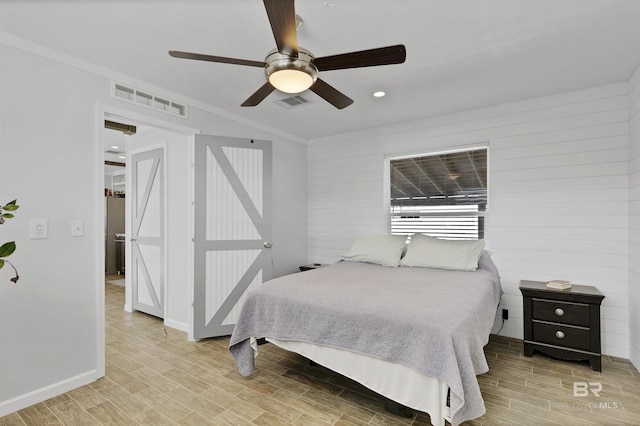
{"x": 395, "y": 381}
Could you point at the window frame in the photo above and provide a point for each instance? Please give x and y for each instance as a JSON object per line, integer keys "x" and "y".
{"x": 387, "y": 179}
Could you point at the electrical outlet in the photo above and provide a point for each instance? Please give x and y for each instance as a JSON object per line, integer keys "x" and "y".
{"x": 505, "y": 314}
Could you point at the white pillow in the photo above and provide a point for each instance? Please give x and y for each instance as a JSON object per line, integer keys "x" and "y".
{"x": 428, "y": 252}
{"x": 382, "y": 250}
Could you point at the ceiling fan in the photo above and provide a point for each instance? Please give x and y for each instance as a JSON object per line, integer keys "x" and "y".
{"x": 292, "y": 69}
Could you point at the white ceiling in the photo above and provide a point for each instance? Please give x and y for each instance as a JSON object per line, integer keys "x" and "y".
{"x": 115, "y": 146}
{"x": 461, "y": 54}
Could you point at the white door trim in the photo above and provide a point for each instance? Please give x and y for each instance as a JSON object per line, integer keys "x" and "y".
{"x": 103, "y": 112}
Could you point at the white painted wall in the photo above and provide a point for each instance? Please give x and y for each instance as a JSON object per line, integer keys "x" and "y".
{"x": 558, "y": 171}
{"x": 634, "y": 218}
{"x": 50, "y": 162}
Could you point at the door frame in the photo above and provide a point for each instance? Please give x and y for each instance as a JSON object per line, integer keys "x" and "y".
{"x": 103, "y": 112}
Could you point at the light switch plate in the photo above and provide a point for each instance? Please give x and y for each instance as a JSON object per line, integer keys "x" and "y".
{"x": 77, "y": 228}
{"x": 38, "y": 229}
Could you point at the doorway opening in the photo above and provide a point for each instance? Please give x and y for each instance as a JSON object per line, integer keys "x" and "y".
{"x": 180, "y": 138}
{"x": 115, "y": 140}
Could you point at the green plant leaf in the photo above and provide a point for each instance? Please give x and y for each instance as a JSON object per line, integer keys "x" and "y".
{"x": 7, "y": 248}
{"x": 8, "y": 215}
{"x": 10, "y": 207}
{"x": 1, "y": 263}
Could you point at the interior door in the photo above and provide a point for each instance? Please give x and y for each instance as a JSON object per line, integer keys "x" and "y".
{"x": 232, "y": 228}
{"x": 148, "y": 236}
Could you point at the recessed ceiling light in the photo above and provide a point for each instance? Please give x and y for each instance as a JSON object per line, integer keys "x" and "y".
{"x": 122, "y": 157}
{"x": 115, "y": 147}
{"x": 379, "y": 94}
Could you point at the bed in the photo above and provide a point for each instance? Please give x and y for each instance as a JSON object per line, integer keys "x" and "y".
{"x": 412, "y": 334}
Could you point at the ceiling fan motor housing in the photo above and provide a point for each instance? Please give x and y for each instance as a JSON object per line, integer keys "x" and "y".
{"x": 277, "y": 61}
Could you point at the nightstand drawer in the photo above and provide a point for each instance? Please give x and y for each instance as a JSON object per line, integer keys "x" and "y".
{"x": 569, "y": 337}
{"x": 562, "y": 312}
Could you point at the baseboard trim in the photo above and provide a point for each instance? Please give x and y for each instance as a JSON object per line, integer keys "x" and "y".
{"x": 177, "y": 325}
{"x": 168, "y": 322}
{"x": 28, "y": 399}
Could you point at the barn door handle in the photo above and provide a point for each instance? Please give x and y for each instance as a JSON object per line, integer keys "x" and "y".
{"x": 267, "y": 244}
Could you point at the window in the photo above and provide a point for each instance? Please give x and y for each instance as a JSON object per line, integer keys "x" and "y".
{"x": 442, "y": 194}
{"x": 147, "y": 99}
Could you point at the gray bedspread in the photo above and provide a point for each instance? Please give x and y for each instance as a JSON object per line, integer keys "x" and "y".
{"x": 435, "y": 321}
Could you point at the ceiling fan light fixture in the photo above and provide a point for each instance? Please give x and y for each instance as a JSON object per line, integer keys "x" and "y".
{"x": 291, "y": 80}
{"x": 289, "y": 74}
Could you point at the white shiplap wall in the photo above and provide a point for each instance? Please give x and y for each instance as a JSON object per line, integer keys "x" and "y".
{"x": 558, "y": 201}
{"x": 634, "y": 218}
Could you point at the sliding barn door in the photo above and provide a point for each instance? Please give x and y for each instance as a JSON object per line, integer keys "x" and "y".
{"x": 147, "y": 241}
{"x": 232, "y": 228}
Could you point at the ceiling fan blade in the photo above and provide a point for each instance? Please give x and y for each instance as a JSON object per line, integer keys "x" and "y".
{"x": 330, "y": 94}
{"x": 210, "y": 58}
{"x": 363, "y": 58}
{"x": 282, "y": 16}
{"x": 259, "y": 95}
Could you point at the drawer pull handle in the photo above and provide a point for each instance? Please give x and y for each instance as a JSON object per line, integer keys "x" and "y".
{"x": 559, "y": 334}
{"x": 559, "y": 312}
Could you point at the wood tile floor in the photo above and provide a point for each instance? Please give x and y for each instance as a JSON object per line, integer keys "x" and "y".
{"x": 158, "y": 378}
{"x": 113, "y": 277}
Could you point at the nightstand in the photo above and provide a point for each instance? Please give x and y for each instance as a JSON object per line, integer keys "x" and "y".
{"x": 311, "y": 266}
{"x": 564, "y": 324}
